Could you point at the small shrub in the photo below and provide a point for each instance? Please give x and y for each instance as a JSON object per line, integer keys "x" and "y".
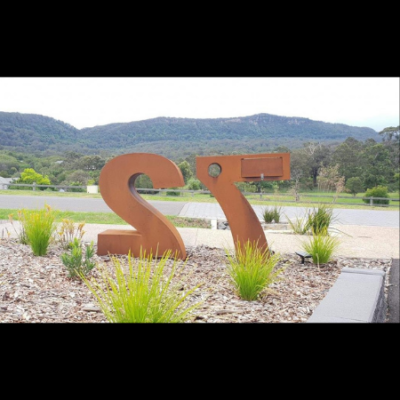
{"x": 193, "y": 184}
{"x": 173, "y": 193}
{"x": 68, "y": 232}
{"x": 73, "y": 261}
{"x": 39, "y": 227}
{"x": 252, "y": 269}
{"x": 321, "y": 247}
{"x": 378, "y": 191}
{"x": 144, "y": 294}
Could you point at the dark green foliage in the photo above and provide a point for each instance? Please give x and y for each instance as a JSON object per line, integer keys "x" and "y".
{"x": 193, "y": 184}
{"x": 379, "y": 191}
{"x": 173, "y": 193}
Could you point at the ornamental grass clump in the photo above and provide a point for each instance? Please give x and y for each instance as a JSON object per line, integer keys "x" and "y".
{"x": 319, "y": 219}
{"x": 268, "y": 215}
{"x": 271, "y": 214}
{"x": 20, "y": 232}
{"x": 277, "y": 213}
{"x": 74, "y": 262}
{"x": 252, "y": 269}
{"x": 39, "y": 227}
{"x": 300, "y": 226}
{"x": 141, "y": 291}
{"x": 322, "y": 247}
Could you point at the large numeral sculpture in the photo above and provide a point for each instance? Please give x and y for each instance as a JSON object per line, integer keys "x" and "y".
{"x": 241, "y": 217}
{"x": 154, "y": 232}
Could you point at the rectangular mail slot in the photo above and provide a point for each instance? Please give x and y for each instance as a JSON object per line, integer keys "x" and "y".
{"x": 268, "y": 166}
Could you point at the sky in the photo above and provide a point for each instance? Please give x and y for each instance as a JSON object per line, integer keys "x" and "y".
{"x": 86, "y": 102}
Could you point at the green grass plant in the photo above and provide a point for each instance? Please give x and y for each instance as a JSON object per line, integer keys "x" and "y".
{"x": 39, "y": 226}
{"x": 321, "y": 247}
{"x": 320, "y": 218}
{"x": 20, "y": 231}
{"x": 268, "y": 215}
{"x": 144, "y": 293}
{"x": 252, "y": 269}
{"x": 300, "y": 226}
{"x": 277, "y": 210}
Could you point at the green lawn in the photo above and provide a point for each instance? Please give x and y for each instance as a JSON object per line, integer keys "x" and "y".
{"x": 111, "y": 218}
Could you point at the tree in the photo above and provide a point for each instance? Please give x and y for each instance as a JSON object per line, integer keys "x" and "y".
{"x": 354, "y": 185}
{"x": 186, "y": 171}
{"x": 91, "y": 163}
{"x": 376, "y": 165}
{"x": 316, "y": 156}
{"x": 30, "y": 176}
{"x": 391, "y": 139}
{"x": 78, "y": 177}
{"x": 348, "y": 155}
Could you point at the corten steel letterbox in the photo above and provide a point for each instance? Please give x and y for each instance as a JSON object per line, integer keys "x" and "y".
{"x": 153, "y": 231}
{"x": 243, "y": 221}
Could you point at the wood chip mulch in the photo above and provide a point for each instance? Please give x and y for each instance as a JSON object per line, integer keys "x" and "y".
{"x": 38, "y": 290}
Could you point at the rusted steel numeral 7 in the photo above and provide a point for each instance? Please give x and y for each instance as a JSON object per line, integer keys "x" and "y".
{"x": 242, "y": 219}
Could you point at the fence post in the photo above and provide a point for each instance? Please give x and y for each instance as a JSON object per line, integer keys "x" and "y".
{"x": 371, "y": 201}
{"x": 34, "y": 185}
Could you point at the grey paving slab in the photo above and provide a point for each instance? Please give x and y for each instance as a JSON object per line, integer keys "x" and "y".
{"x": 354, "y": 296}
{"x": 394, "y": 293}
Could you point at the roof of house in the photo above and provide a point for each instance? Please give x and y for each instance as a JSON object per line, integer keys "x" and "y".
{"x": 6, "y": 180}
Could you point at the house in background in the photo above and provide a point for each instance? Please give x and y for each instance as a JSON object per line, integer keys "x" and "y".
{"x": 4, "y": 182}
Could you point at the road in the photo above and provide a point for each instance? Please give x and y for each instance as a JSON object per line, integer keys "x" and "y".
{"x": 199, "y": 210}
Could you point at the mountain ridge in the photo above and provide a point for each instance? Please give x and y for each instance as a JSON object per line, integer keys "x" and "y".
{"x": 167, "y": 135}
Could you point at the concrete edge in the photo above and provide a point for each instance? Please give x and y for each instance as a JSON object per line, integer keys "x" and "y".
{"x": 357, "y": 296}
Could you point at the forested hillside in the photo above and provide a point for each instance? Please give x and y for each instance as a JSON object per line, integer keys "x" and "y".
{"x": 31, "y": 132}
{"x": 171, "y": 137}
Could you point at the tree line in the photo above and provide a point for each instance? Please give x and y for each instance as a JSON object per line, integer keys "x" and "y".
{"x": 355, "y": 164}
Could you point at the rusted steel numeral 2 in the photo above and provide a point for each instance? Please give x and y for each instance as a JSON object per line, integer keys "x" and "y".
{"x": 154, "y": 231}
{"x": 241, "y": 217}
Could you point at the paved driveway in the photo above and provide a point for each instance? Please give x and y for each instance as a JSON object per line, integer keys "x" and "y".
{"x": 198, "y": 210}
{"x": 341, "y": 216}
{"x": 78, "y": 204}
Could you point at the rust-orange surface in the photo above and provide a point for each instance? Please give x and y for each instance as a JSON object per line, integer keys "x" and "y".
{"x": 242, "y": 219}
{"x": 154, "y": 233}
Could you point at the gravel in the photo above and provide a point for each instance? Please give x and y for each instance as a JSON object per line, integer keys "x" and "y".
{"x": 38, "y": 289}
